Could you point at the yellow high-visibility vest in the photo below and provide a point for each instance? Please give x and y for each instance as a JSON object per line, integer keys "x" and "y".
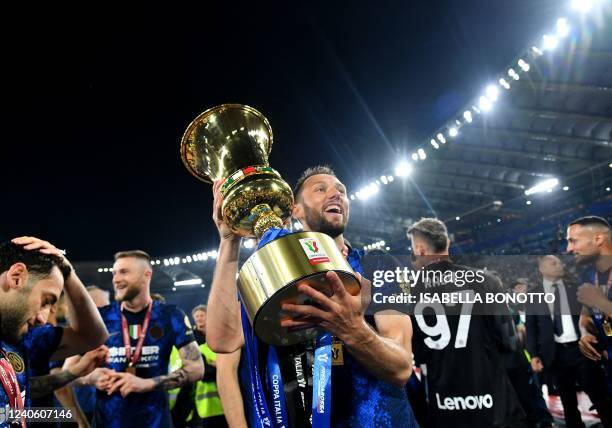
{"x": 175, "y": 364}
{"x": 207, "y": 399}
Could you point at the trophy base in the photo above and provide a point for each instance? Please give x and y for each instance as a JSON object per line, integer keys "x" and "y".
{"x": 267, "y": 319}
{"x": 271, "y": 275}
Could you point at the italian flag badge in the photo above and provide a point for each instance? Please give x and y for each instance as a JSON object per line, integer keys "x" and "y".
{"x": 135, "y": 330}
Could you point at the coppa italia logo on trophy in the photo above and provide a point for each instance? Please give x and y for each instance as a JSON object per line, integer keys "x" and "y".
{"x": 314, "y": 251}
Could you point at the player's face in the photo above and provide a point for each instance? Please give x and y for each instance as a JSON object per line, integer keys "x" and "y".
{"x": 129, "y": 278}
{"x": 323, "y": 205}
{"x": 200, "y": 320}
{"x": 581, "y": 242}
{"x": 25, "y": 305}
{"x": 520, "y": 288}
{"x": 551, "y": 266}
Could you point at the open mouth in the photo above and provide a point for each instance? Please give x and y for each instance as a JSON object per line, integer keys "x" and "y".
{"x": 334, "y": 209}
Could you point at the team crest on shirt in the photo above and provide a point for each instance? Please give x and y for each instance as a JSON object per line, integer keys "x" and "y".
{"x": 16, "y": 361}
{"x": 314, "y": 251}
{"x": 156, "y": 332}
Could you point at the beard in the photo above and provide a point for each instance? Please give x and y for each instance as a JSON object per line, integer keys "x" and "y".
{"x": 13, "y": 316}
{"x": 131, "y": 291}
{"x": 317, "y": 223}
{"x": 586, "y": 259}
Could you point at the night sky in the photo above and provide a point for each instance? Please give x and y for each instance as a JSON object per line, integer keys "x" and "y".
{"x": 96, "y": 103}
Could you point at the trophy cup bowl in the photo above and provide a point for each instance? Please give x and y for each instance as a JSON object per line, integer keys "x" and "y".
{"x": 232, "y": 142}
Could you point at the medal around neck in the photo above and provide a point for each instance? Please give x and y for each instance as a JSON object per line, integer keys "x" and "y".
{"x": 232, "y": 142}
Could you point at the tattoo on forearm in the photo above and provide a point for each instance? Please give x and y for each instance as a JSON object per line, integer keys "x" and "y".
{"x": 43, "y": 385}
{"x": 173, "y": 380}
{"x": 190, "y": 353}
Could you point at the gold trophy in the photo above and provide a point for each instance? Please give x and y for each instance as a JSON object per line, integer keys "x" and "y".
{"x": 232, "y": 142}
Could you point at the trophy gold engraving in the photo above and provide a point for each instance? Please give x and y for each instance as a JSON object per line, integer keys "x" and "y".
{"x": 232, "y": 142}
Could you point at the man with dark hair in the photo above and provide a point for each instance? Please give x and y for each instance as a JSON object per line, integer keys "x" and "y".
{"x": 367, "y": 385}
{"x": 33, "y": 273}
{"x": 132, "y": 389}
{"x": 589, "y": 239}
{"x": 461, "y": 344}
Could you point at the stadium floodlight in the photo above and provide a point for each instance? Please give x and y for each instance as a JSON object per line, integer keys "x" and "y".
{"x": 610, "y": 164}
{"x": 528, "y": 202}
{"x": 100, "y": 270}
{"x": 583, "y": 5}
{"x": 566, "y": 188}
{"x": 297, "y": 226}
{"x": 607, "y": 189}
{"x": 434, "y": 144}
{"x": 467, "y": 115}
{"x": 537, "y": 51}
{"x": 485, "y": 104}
{"x": 383, "y": 179}
{"x": 248, "y": 243}
{"x": 524, "y": 65}
{"x": 177, "y": 260}
{"x": 512, "y": 73}
{"x": 457, "y": 218}
{"x": 352, "y": 197}
{"x": 189, "y": 259}
{"x": 440, "y": 137}
{"x": 543, "y": 186}
{"x": 504, "y": 83}
{"x": 369, "y": 190}
{"x": 390, "y": 178}
{"x": 492, "y": 92}
{"x": 194, "y": 281}
{"x": 549, "y": 42}
{"x": 415, "y": 157}
{"x": 453, "y": 132}
{"x": 422, "y": 154}
{"x": 358, "y": 195}
{"x": 403, "y": 169}
{"x": 563, "y": 28}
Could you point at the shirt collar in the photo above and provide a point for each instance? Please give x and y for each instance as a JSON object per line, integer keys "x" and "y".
{"x": 548, "y": 284}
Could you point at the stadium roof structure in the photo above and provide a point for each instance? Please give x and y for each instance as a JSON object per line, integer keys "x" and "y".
{"x": 554, "y": 122}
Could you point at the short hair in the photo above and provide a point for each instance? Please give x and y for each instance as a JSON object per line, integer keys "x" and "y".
{"x": 138, "y": 254}
{"x": 591, "y": 220}
{"x": 315, "y": 170}
{"x": 37, "y": 263}
{"x": 202, "y": 308}
{"x": 160, "y": 298}
{"x": 433, "y": 231}
{"x": 95, "y": 288}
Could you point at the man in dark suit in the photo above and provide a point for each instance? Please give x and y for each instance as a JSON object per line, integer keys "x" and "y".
{"x": 552, "y": 340}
